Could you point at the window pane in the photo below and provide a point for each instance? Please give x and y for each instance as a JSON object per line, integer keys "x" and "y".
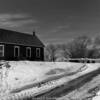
{"x": 1, "y": 48}
{"x": 1, "y": 54}
{"x": 16, "y": 51}
{"x": 38, "y": 52}
{"x": 28, "y": 52}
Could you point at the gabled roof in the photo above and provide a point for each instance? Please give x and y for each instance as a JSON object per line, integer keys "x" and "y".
{"x": 13, "y": 37}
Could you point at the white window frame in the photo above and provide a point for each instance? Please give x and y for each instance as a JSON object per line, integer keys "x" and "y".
{"x": 28, "y": 48}
{"x": 15, "y": 51}
{"x": 37, "y": 55}
{"x": 2, "y": 51}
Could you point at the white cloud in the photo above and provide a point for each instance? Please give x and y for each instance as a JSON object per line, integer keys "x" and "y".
{"x": 16, "y": 20}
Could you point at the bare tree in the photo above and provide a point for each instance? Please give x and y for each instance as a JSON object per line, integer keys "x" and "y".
{"x": 65, "y": 51}
{"x": 50, "y": 52}
{"x": 78, "y": 47}
{"x": 97, "y": 41}
{"x": 93, "y": 53}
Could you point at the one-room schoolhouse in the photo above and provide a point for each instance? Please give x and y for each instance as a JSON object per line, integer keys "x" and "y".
{"x": 20, "y": 46}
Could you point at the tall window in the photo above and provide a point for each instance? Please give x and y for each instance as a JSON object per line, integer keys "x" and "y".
{"x": 37, "y": 52}
{"x": 28, "y": 52}
{"x": 16, "y": 51}
{"x": 1, "y": 50}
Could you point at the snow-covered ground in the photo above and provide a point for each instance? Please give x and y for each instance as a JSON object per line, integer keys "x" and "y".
{"x": 97, "y": 97}
{"x": 22, "y": 73}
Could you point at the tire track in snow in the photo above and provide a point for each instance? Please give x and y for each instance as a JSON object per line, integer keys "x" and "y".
{"x": 70, "y": 86}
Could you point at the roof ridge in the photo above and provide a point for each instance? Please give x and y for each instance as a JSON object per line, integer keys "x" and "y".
{"x": 19, "y": 38}
{"x": 16, "y": 31}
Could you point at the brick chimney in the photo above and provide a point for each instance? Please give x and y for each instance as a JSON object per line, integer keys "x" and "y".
{"x": 33, "y": 33}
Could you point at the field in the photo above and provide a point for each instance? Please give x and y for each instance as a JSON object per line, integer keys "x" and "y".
{"x": 56, "y": 80}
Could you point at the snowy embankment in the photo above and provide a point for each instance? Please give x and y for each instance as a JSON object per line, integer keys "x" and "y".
{"x": 24, "y": 74}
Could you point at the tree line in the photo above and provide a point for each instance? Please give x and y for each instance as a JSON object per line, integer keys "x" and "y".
{"x": 79, "y": 47}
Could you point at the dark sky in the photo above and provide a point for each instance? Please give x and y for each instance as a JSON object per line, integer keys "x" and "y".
{"x": 55, "y": 21}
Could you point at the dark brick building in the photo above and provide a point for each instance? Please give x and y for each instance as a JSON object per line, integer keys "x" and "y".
{"x": 20, "y": 46}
